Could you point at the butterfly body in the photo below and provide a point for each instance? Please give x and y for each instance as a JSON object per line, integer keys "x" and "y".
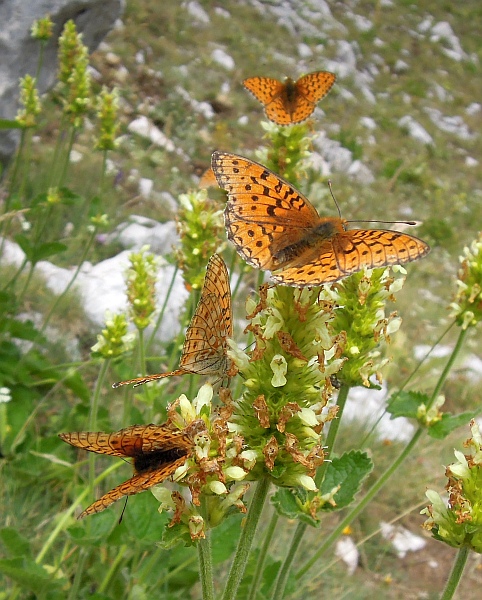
{"x": 274, "y": 227}
{"x": 292, "y": 101}
{"x": 157, "y": 451}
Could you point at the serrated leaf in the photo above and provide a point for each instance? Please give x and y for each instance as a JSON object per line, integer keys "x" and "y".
{"x": 348, "y": 471}
{"x": 288, "y": 502}
{"x": 177, "y": 534}
{"x": 405, "y": 404}
{"x": 448, "y": 423}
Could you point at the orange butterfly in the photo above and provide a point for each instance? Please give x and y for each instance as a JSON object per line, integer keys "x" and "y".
{"x": 204, "y": 350}
{"x": 274, "y": 227}
{"x": 157, "y": 451}
{"x": 291, "y": 101}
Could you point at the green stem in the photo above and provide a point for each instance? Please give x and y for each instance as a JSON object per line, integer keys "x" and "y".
{"x": 301, "y": 527}
{"x": 71, "y": 282}
{"x": 110, "y": 573}
{"x": 333, "y": 432}
{"x": 456, "y": 573}
{"x": 16, "y": 167}
{"x": 21, "y": 295}
{"x": 66, "y": 517}
{"x": 79, "y": 570}
{"x": 246, "y": 539}
{"x": 389, "y": 472}
{"x": 73, "y": 131}
{"x": 206, "y": 559}
{"x": 163, "y": 309}
{"x": 448, "y": 366}
{"x": 335, "y": 534}
{"x": 253, "y": 592}
{"x": 285, "y": 568}
{"x": 94, "y": 408}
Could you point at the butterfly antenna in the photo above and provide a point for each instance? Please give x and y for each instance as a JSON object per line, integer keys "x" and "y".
{"x": 387, "y": 222}
{"x": 123, "y": 511}
{"x": 334, "y": 199}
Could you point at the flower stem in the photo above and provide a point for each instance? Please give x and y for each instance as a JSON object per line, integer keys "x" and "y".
{"x": 389, "y": 472}
{"x": 456, "y": 573}
{"x": 246, "y": 539}
{"x": 253, "y": 592}
{"x": 448, "y": 366}
{"x": 94, "y": 407}
{"x": 335, "y": 534}
{"x": 301, "y": 527}
{"x": 285, "y": 568}
{"x": 206, "y": 567}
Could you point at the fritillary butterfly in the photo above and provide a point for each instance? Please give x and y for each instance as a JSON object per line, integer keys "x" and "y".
{"x": 204, "y": 349}
{"x": 157, "y": 451}
{"x": 291, "y": 101}
{"x": 274, "y": 227}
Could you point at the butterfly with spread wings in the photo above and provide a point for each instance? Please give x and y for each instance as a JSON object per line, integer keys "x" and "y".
{"x": 274, "y": 227}
{"x": 292, "y": 101}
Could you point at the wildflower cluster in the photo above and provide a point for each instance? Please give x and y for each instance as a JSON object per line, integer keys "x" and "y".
{"x": 287, "y": 381}
{"x": 467, "y": 305}
{"x": 141, "y": 282}
{"x": 73, "y": 74}
{"x": 215, "y": 470}
{"x": 29, "y": 99}
{"x": 114, "y": 339}
{"x": 459, "y": 522}
{"x": 42, "y": 29}
{"x": 200, "y": 224}
{"x": 107, "y": 109}
{"x": 362, "y": 324}
{"x": 289, "y": 147}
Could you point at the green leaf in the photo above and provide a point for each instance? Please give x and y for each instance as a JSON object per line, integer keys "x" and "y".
{"x": 49, "y": 249}
{"x": 177, "y": 534}
{"x": 289, "y": 502}
{"x": 99, "y": 527}
{"x": 448, "y": 423}
{"x": 10, "y": 124}
{"x": 31, "y": 576}
{"x": 25, "y": 244}
{"x": 14, "y": 542}
{"x": 405, "y": 404}
{"x": 348, "y": 471}
{"x": 24, "y": 330}
{"x": 142, "y": 519}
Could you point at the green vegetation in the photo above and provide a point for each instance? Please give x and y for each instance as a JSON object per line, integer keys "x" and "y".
{"x": 54, "y": 379}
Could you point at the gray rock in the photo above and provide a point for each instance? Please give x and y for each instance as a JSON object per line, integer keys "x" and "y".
{"x": 140, "y": 231}
{"x": 449, "y": 124}
{"x": 415, "y": 130}
{"x": 19, "y": 52}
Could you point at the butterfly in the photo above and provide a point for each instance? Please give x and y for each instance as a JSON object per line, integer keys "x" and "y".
{"x": 157, "y": 451}
{"x": 205, "y": 346}
{"x": 291, "y": 101}
{"x": 274, "y": 227}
